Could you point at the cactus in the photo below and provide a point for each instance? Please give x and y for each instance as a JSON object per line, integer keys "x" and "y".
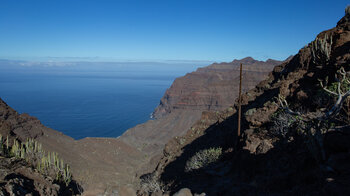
{"x": 67, "y": 176}
{"x": 62, "y": 164}
{"x": 2, "y": 145}
{"x": 321, "y": 49}
{"x": 7, "y": 143}
{"x": 15, "y": 149}
{"x": 22, "y": 152}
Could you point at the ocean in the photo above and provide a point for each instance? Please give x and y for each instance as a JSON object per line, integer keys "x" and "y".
{"x": 89, "y": 99}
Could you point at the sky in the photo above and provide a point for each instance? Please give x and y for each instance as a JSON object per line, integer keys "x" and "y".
{"x": 204, "y": 30}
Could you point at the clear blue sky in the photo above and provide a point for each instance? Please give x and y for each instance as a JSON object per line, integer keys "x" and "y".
{"x": 216, "y": 30}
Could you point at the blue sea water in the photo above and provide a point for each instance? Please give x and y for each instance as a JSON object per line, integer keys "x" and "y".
{"x": 89, "y": 102}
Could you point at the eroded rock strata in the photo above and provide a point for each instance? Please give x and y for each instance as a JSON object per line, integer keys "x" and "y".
{"x": 214, "y": 87}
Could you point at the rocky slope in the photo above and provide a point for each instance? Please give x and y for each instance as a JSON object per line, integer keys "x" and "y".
{"x": 279, "y": 152}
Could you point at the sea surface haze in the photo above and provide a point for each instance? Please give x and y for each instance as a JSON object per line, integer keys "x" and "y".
{"x": 88, "y": 99}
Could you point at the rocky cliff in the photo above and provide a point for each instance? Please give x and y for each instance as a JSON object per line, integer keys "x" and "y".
{"x": 292, "y": 144}
{"x": 213, "y": 87}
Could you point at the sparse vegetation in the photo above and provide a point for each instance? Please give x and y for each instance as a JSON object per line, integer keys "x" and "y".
{"x": 314, "y": 125}
{"x": 282, "y": 122}
{"x": 45, "y": 163}
{"x": 203, "y": 158}
{"x": 335, "y": 89}
{"x": 150, "y": 184}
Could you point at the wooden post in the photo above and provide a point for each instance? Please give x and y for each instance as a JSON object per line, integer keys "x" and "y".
{"x": 239, "y": 102}
{"x": 348, "y": 112}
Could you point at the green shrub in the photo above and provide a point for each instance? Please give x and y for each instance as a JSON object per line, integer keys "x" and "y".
{"x": 203, "y": 158}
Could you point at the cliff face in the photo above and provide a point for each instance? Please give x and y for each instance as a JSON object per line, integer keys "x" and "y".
{"x": 272, "y": 158}
{"x": 213, "y": 87}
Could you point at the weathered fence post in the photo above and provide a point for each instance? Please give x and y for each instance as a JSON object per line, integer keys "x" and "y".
{"x": 239, "y": 102}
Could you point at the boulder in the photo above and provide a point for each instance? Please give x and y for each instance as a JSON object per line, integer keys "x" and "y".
{"x": 183, "y": 192}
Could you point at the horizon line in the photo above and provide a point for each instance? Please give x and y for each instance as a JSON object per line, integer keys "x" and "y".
{"x": 96, "y": 59}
